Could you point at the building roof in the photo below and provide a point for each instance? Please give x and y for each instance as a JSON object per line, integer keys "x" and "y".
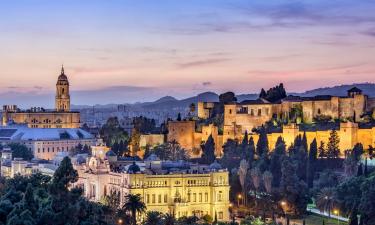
{"x": 354, "y": 89}
{"x": 23, "y": 133}
{"x": 255, "y": 102}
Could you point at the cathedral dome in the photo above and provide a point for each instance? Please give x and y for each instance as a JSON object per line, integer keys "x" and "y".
{"x": 63, "y": 79}
{"x": 215, "y": 166}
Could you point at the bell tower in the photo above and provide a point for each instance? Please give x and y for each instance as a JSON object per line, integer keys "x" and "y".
{"x": 62, "y": 100}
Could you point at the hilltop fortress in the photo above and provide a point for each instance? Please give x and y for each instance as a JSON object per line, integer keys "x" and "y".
{"x": 350, "y": 115}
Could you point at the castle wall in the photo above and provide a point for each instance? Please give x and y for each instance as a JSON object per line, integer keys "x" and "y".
{"x": 183, "y": 133}
{"x": 151, "y": 140}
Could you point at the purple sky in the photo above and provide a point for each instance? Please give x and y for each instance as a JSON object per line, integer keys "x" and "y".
{"x": 128, "y": 51}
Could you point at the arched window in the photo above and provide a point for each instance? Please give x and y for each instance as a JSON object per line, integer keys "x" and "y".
{"x": 62, "y": 90}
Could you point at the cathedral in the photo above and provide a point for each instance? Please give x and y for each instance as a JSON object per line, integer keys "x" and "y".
{"x": 60, "y": 117}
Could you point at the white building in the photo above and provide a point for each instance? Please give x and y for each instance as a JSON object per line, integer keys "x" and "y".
{"x": 46, "y": 143}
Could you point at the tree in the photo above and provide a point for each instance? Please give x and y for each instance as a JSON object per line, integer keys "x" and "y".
{"x": 292, "y": 189}
{"x": 64, "y": 175}
{"x": 168, "y": 151}
{"x": 112, "y": 132}
{"x": 242, "y": 174}
{"x": 256, "y": 178}
{"x": 326, "y": 200}
{"x": 169, "y": 219}
{"x": 20, "y": 151}
{"x": 262, "y": 145}
{"x": 333, "y": 150}
{"x": 311, "y": 163}
{"x": 135, "y": 141}
{"x": 321, "y": 150}
{"x": 304, "y": 142}
{"x": 179, "y": 117}
{"x": 250, "y": 151}
{"x": 357, "y": 151}
{"x": 277, "y": 157}
{"x": 267, "y": 180}
{"x": 153, "y": 218}
{"x": 134, "y": 205}
{"x": 208, "y": 151}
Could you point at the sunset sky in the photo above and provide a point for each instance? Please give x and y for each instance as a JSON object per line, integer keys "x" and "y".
{"x": 140, "y": 50}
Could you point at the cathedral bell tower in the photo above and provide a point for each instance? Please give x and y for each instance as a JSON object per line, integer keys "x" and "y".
{"x": 62, "y": 100}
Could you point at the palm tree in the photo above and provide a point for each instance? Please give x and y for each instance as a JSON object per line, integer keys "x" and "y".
{"x": 242, "y": 174}
{"x": 325, "y": 200}
{"x": 169, "y": 219}
{"x": 256, "y": 177}
{"x": 153, "y": 218}
{"x": 133, "y": 204}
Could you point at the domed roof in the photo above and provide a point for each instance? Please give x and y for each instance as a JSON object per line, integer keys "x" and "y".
{"x": 62, "y": 76}
{"x": 153, "y": 157}
{"x": 215, "y": 166}
{"x": 110, "y": 153}
{"x": 134, "y": 168}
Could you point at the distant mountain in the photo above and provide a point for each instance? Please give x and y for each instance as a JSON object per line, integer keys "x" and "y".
{"x": 169, "y": 102}
{"x": 341, "y": 90}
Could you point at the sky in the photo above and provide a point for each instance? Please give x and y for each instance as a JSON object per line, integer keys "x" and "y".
{"x": 139, "y": 50}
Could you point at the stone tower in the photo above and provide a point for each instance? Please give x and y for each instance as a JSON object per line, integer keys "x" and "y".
{"x": 62, "y": 100}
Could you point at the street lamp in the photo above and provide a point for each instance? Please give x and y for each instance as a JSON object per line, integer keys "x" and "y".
{"x": 336, "y": 212}
{"x": 119, "y": 221}
{"x": 283, "y": 205}
{"x": 239, "y": 197}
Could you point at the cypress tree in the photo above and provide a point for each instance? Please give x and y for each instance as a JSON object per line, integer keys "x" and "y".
{"x": 313, "y": 154}
{"x": 304, "y": 142}
{"x": 333, "y": 150}
{"x": 321, "y": 150}
{"x": 262, "y": 145}
{"x": 360, "y": 170}
{"x": 249, "y": 156}
{"x": 208, "y": 149}
{"x": 277, "y": 157}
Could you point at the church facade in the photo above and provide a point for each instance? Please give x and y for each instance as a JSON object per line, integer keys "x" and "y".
{"x": 60, "y": 117}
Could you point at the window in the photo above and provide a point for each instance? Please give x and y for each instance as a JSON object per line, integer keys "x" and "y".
{"x": 259, "y": 112}
{"x": 220, "y": 215}
{"x": 148, "y": 198}
{"x": 189, "y": 197}
{"x": 220, "y": 196}
{"x": 200, "y": 197}
{"x": 319, "y": 111}
{"x": 194, "y": 197}
{"x": 165, "y": 198}
{"x": 206, "y": 197}
{"x": 153, "y": 198}
{"x": 230, "y": 111}
{"x": 159, "y": 198}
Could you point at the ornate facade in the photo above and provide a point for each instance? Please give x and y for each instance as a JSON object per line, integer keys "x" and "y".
{"x": 61, "y": 117}
{"x": 179, "y": 188}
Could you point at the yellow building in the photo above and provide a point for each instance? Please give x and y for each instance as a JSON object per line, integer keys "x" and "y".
{"x": 179, "y": 188}
{"x": 61, "y": 117}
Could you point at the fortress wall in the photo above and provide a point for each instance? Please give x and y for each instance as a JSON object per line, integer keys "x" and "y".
{"x": 345, "y": 107}
{"x": 151, "y": 139}
{"x": 182, "y": 132}
{"x": 359, "y": 106}
{"x": 324, "y": 107}
{"x": 308, "y": 111}
{"x": 366, "y": 137}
